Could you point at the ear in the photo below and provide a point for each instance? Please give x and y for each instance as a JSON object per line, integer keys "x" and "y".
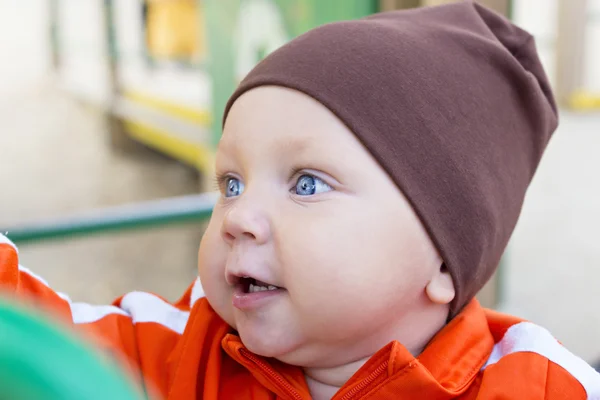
{"x": 440, "y": 289}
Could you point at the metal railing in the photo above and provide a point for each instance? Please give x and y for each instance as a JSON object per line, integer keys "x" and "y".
{"x": 144, "y": 215}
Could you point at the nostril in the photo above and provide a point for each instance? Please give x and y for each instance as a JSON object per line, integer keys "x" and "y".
{"x": 229, "y": 236}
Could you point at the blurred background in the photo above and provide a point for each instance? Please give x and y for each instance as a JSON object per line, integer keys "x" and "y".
{"x": 112, "y": 102}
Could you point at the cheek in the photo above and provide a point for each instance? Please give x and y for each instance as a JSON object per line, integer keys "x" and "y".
{"x": 342, "y": 270}
{"x": 212, "y": 257}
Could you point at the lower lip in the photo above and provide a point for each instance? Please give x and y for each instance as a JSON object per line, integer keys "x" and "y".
{"x": 247, "y": 301}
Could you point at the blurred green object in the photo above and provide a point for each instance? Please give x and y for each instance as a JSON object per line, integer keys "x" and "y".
{"x": 185, "y": 209}
{"x": 40, "y": 361}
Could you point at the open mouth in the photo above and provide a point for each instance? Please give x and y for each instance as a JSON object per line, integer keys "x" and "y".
{"x": 251, "y": 293}
{"x": 251, "y": 285}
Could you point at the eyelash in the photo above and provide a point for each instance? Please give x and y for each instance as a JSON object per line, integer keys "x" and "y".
{"x": 296, "y": 172}
{"x": 220, "y": 180}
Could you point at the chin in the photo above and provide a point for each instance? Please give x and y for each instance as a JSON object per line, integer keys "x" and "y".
{"x": 288, "y": 352}
{"x": 260, "y": 348}
{"x": 266, "y": 342}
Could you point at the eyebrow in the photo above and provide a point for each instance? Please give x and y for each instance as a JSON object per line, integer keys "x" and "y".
{"x": 298, "y": 145}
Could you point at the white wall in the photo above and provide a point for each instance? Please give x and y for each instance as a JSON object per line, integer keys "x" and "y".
{"x": 24, "y": 44}
{"x": 84, "y": 69}
{"x": 592, "y": 48}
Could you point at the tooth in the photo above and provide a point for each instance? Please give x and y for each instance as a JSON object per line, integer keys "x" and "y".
{"x": 262, "y": 288}
{"x": 252, "y": 288}
{"x": 271, "y": 287}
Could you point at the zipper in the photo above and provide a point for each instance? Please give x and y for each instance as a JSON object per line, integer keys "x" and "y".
{"x": 364, "y": 384}
{"x": 285, "y": 385}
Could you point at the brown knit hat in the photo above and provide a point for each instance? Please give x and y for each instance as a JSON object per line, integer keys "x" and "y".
{"x": 454, "y": 104}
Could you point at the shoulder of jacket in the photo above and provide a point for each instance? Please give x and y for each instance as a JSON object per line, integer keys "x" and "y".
{"x": 564, "y": 372}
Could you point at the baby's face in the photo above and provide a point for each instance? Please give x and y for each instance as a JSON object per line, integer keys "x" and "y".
{"x": 312, "y": 254}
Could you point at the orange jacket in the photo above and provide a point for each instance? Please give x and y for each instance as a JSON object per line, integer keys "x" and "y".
{"x": 185, "y": 351}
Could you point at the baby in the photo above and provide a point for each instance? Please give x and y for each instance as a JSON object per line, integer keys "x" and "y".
{"x": 371, "y": 174}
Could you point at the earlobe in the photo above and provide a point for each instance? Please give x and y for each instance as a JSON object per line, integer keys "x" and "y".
{"x": 440, "y": 289}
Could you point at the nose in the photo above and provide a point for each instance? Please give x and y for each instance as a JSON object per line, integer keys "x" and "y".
{"x": 243, "y": 221}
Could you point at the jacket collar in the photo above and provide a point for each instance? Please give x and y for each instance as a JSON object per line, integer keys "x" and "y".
{"x": 445, "y": 369}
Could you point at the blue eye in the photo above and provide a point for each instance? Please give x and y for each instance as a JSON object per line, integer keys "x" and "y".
{"x": 233, "y": 187}
{"x": 308, "y": 185}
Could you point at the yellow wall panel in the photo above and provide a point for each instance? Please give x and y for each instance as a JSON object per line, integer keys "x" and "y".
{"x": 174, "y": 29}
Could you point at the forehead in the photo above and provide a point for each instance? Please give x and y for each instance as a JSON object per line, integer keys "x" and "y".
{"x": 284, "y": 118}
